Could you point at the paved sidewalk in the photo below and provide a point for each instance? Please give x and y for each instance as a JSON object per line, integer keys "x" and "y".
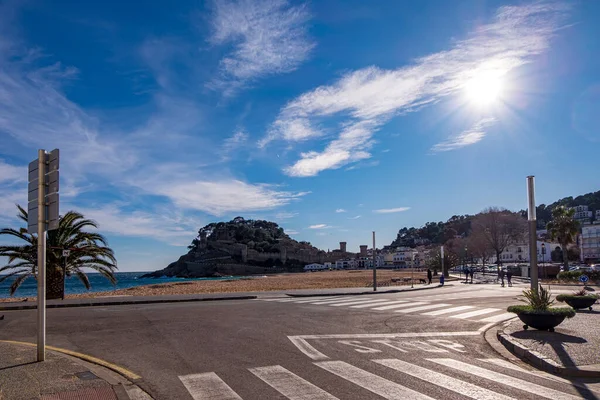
{"x": 572, "y": 350}
{"x": 59, "y": 377}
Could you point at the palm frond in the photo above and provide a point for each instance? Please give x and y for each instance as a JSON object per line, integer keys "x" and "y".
{"x": 17, "y": 282}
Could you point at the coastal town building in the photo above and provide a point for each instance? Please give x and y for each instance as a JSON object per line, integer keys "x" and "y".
{"x": 519, "y": 253}
{"x": 590, "y": 243}
{"x": 582, "y": 214}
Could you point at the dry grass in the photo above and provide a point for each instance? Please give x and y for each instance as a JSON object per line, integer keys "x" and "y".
{"x": 314, "y": 280}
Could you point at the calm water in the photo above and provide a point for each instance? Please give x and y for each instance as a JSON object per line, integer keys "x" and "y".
{"x": 99, "y": 283}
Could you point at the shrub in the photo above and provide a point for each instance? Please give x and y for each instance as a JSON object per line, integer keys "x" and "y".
{"x": 564, "y": 297}
{"x": 538, "y": 299}
{"x": 574, "y": 275}
{"x": 568, "y": 312}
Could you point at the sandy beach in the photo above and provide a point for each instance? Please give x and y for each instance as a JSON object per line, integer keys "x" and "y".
{"x": 306, "y": 280}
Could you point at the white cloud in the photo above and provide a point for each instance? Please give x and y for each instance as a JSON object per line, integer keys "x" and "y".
{"x": 319, "y": 226}
{"x": 356, "y": 217}
{"x": 285, "y": 215}
{"x": 224, "y": 196}
{"x": 369, "y": 97}
{"x": 340, "y": 210}
{"x": 164, "y": 225}
{"x": 11, "y": 174}
{"x": 268, "y": 37}
{"x": 465, "y": 138}
{"x": 291, "y": 232}
{"x": 391, "y": 210}
{"x": 233, "y": 143}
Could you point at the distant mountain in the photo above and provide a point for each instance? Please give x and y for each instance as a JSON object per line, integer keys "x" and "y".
{"x": 460, "y": 225}
{"x": 242, "y": 247}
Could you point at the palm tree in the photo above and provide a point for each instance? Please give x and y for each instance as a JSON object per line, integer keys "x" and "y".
{"x": 88, "y": 250}
{"x": 563, "y": 228}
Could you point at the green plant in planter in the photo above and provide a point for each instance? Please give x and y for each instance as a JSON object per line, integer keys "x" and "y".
{"x": 579, "y": 299}
{"x": 538, "y": 313}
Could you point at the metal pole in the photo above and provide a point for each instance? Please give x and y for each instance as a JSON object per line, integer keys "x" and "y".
{"x": 532, "y": 232}
{"x": 41, "y": 257}
{"x": 64, "y": 277}
{"x": 442, "y": 254}
{"x": 412, "y": 273}
{"x": 374, "y": 266}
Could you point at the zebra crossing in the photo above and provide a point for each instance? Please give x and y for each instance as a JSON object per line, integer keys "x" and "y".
{"x": 426, "y": 306}
{"x": 483, "y": 378}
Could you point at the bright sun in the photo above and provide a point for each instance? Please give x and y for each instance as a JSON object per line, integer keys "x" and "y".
{"x": 484, "y": 88}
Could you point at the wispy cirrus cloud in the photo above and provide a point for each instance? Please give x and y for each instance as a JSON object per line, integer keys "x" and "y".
{"x": 285, "y": 215}
{"x": 366, "y": 99}
{"x": 320, "y": 226}
{"x": 234, "y": 143}
{"x": 268, "y": 37}
{"x": 391, "y": 210}
{"x": 11, "y": 173}
{"x": 355, "y": 217}
{"x": 340, "y": 210}
{"x": 291, "y": 231}
{"x": 465, "y": 138}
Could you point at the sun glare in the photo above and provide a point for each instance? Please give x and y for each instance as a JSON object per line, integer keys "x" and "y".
{"x": 484, "y": 88}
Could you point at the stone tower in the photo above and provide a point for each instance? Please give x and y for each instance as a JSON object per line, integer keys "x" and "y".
{"x": 343, "y": 247}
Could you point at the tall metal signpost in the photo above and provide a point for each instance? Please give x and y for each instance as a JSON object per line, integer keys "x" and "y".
{"x": 532, "y": 219}
{"x": 42, "y": 215}
{"x": 374, "y": 265}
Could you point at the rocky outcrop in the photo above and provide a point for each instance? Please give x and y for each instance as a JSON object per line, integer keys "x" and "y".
{"x": 241, "y": 247}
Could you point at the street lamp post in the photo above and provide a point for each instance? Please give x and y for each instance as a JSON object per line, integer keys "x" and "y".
{"x": 465, "y": 266}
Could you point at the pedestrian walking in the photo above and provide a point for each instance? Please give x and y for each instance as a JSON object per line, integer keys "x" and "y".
{"x": 441, "y": 279}
{"x": 472, "y": 271}
{"x": 502, "y": 277}
{"x": 429, "y": 276}
{"x": 509, "y": 275}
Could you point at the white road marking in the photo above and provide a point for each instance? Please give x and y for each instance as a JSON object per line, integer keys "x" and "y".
{"x": 301, "y": 341}
{"x": 399, "y": 306}
{"x": 371, "y": 382}
{"x": 540, "y": 374}
{"x": 349, "y": 303}
{"x": 516, "y": 383}
{"x": 380, "y": 303}
{"x": 475, "y": 313}
{"x": 448, "y": 310}
{"x": 290, "y": 385}
{"x": 208, "y": 386}
{"x": 319, "y": 299}
{"x": 422, "y": 308}
{"x": 456, "y": 385}
{"x": 339, "y": 300}
{"x": 498, "y": 318}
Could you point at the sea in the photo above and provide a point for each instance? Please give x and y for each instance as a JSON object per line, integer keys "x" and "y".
{"x": 99, "y": 283}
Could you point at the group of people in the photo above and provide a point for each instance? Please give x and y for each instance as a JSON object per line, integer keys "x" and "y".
{"x": 430, "y": 277}
{"x": 505, "y": 273}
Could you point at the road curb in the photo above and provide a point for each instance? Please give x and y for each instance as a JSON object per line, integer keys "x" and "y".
{"x": 122, "y": 303}
{"x": 124, "y": 382}
{"x": 362, "y": 293}
{"x": 541, "y": 362}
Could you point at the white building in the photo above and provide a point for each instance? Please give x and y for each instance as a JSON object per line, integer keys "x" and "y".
{"x": 314, "y": 267}
{"x": 406, "y": 258}
{"x": 590, "y": 242}
{"x": 519, "y": 253}
{"x": 345, "y": 264}
{"x": 582, "y": 214}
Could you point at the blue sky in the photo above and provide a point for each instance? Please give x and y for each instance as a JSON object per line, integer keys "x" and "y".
{"x": 332, "y": 118}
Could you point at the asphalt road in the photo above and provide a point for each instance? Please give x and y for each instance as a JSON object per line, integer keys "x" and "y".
{"x": 418, "y": 345}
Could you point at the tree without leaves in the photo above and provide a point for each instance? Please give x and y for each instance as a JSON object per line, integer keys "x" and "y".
{"x": 499, "y": 228}
{"x": 88, "y": 250}
{"x": 563, "y": 228}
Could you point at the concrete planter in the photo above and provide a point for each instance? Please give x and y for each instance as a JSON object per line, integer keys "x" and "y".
{"x": 542, "y": 322}
{"x": 580, "y": 302}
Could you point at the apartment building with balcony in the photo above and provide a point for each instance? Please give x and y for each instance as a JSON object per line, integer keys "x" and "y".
{"x": 590, "y": 242}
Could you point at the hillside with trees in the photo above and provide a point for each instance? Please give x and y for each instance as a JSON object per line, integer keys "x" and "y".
{"x": 461, "y": 225}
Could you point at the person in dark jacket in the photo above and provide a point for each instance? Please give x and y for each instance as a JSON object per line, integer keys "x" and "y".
{"x": 429, "y": 276}
{"x": 509, "y": 275}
